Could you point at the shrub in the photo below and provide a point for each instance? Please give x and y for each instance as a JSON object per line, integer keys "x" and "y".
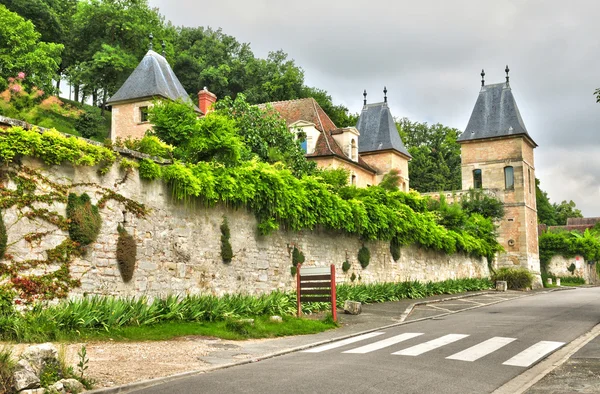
{"x": 353, "y": 277}
{"x": 85, "y": 220}
{"x": 128, "y": 164}
{"x": 293, "y": 270}
{"x": 479, "y": 202}
{"x": 3, "y": 237}
{"x": 395, "y": 249}
{"x": 297, "y": 257}
{"x": 571, "y": 268}
{"x": 7, "y": 369}
{"x": 150, "y": 145}
{"x": 226, "y": 251}
{"x": 149, "y": 170}
{"x": 516, "y": 278}
{"x": 346, "y": 266}
{"x": 391, "y": 180}
{"x": 364, "y": 256}
{"x": 126, "y": 254}
{"x": 89, "y": 124}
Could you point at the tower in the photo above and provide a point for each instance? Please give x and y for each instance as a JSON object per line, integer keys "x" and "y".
{"x": 497, "y": 156}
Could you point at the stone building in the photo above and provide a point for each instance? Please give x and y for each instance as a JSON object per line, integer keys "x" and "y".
{"x": 497, "y": 155}
{"x": 152, "y": 79}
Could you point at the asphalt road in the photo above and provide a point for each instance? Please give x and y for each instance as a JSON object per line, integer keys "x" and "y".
{"x": 474, "y": 351}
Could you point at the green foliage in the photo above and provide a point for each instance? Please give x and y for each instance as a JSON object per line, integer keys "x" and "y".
{"x": 50, "y": 374}
{"x": 346, "y": 266}
{"x": 435, "y": 163}
{"x": 554, "y": 214}
{"x": 390, "y": 181}
{"x": 150, "y": 145}
{"x": 265, "y": 134}
{"x": 149, "y": 170}
{"x": 336, "y": 178}
{"x": 516, "y": 278}
{"x": 82, "y": 364}
{"x": 241, "y": 327}
{"x": 352, "y": 277}
{"x": 3, "y": 237}
{"x": 571, "y": 268}
{"x": 174, "y": 122}
{"x": 7, "y": 369}
{"x": 22, "y": 51}
{"x": 89, "y": 124}
{"x": 338, "y": 114}
{"x": 226, "y": 251}
{"x": 395, "y": 249}
{"x": 479, "y": 202}
{"x": 293, "y": 270}
{"x": 52, "y": 147}
{"x": 364, "y": 256}
{"x": 128, "y": 164}
{"x": 84, "y": 219}
{"x": 126, "y": 254}
{"x": 297, "y": 257}
{"x": 569, "y": 244}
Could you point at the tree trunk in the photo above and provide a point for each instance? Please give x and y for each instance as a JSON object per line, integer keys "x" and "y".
{"x": 103, "y": 106}
{"x": 76, "y": 93}
{"x": 58, "y": 86}
{"x": 95, "y": 97}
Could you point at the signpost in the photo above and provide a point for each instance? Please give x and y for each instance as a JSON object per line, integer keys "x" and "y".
{"x": 316, "y": 284}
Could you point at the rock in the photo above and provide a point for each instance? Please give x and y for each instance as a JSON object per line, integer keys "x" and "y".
{"x": 25, "y": 376}
{"x": 72, "y": 385}
{"x": 39, "y": 356}
{"x": 57, "y": 388}
{"x": 276, "y": 319}
{"x": 352, "y": 307}
{"x": 246, "y": 321}
{"x": 501, "y": 285}
{"x": 33, "y": 391}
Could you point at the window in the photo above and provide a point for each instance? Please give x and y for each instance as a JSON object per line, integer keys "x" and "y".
{"x": 353, "y": 150}
{"x": 477, "y": 181}
{"x": 509, "y": 178}
{"x": 529, "y": 179}
{"x": 302, "y": 137}
{"x": 143, "y": 114}
{"x": 353, "y": 180}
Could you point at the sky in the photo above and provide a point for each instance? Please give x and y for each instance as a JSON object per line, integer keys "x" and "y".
{"x": 429, "y": 55}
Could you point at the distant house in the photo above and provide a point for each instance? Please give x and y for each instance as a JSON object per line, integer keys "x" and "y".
{"x": 368, "y": 151}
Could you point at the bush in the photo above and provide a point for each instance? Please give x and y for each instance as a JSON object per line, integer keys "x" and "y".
{"x": 571, "y": 268}
{"x": 364, "y": 256}
{"x": 7, "y": 369}
{"x": 516, "y": 278}
{"x": 226, "y": 251}
{"x": 85, "y": 220}
{"x": 149, "y": 170}
{"x": 346, "y": 266}
{"x": 395, "y": 249}
{"x": 293, "y": 270}
{"x": 126, "y": 254}
{"x": 297, "y": 257}
{"x": 89, "y": 124}
{"x": 3, "y": 237}
{"x": 479, "y": 202}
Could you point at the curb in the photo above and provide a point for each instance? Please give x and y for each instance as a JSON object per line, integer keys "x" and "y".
{"x": 527, "y": 379}
{"x": 401, "y": 321}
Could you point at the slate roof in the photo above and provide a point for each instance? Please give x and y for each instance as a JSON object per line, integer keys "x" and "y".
{"x": 327, "y": 146}
{"x": 495, "y": 115}
{"x": 153, "y": 77}
{"x": 302, "y": 109}
{"x": 378, "y": 130}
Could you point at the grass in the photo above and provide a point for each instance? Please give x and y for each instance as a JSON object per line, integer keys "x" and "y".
{"x": 572, "y": 281}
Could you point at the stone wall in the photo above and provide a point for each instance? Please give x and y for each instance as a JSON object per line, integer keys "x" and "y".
{"x": 178, "y": 246}
{"x": 559, "y": 265}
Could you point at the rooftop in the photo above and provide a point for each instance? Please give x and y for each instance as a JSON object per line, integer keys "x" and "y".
{"x": 378, "y": 130}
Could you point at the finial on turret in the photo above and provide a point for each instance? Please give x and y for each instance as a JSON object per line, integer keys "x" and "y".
{"x": 384, "y": 94}
{"x": 365, "y": 96}
{"x": 164, "y": 48}
{"x": 506, "y": 70}
{"x": 482, "y": 78}
{"x": 151, "y": 37}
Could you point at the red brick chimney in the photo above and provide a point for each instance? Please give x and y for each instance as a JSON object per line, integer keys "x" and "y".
{"x": 206, "y": 100}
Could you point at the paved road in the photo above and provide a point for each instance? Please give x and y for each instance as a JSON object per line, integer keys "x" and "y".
{"x": 475, "y": 351}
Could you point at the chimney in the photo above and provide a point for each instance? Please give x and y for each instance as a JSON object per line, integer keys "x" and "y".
{"x": 206, "y": 100}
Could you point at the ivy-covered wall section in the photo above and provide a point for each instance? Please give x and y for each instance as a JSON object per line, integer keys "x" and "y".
{"x": 174, "y": 219}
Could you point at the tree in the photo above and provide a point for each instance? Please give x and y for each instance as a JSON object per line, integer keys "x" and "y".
{"x": 339, "y": 114}
{"x": 566, "y": 210}
{"x": 435, "y": 165}
{"x": 554, "y": 214}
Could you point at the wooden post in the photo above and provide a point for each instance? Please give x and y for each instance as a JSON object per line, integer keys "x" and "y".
{"x": 333, "y": 296}
{"x": 299, "y": 308}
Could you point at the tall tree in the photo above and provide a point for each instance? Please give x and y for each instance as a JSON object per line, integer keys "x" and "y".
{"x": 435, "y": 165}
{"x": 22, "y": 51}
{"x": 554, "y": 214}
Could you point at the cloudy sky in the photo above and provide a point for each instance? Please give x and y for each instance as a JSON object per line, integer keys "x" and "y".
{"x": 429, "y": 54}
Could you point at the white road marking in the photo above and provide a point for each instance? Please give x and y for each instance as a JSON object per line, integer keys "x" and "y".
{"x": 343, "y": 342}
{"x": 384, "y": 343}
{"x": 483, "y": 349}
{"x": 533, "y": 353}
{"x": 430, "y": 345}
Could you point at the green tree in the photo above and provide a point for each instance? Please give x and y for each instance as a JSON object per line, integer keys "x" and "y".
{"x": 339, "y": 114}
{"x": 566, "y": 210}
{"x": 435, "y": 165}
{"x": 22, "y": 51}
{"x": 545, "y": 210}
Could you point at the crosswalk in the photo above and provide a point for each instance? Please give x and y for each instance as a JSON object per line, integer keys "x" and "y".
{"x": 525, "y": 358}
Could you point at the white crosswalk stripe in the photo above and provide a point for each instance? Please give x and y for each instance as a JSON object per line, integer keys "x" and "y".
{"x": 430, "y": 345}
{"x": 533, "y": 353}
{"x": 384, "y": 343}
{"x": 343, "y": 342}
{"x": 482, "y": 349}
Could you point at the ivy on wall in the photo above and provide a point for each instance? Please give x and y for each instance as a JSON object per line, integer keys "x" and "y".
{"x": 126, "y": 254}
{"x": 226, "y": 251}
{"x": 84, "y": 219}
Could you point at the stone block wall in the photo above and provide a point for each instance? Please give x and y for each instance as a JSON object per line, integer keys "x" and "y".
{"x": 559, "y": 265}
{"x": 126, "y": 120}
{"x": 178, "y": 246}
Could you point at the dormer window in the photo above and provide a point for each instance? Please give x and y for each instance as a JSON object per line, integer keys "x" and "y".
{"x": 353, "y": 150}
{"x": 301, "y": 136}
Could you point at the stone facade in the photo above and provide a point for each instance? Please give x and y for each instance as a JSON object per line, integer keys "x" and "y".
{"x": 178, "y": 246}
{"x": 358, "y": 175}
{"x": 559, "y": 265}
{"x": 126, "y": 120}
{"x": 384, "y": 161}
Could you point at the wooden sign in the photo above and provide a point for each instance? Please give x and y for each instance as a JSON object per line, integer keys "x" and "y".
{"x": 316, "y": 284}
